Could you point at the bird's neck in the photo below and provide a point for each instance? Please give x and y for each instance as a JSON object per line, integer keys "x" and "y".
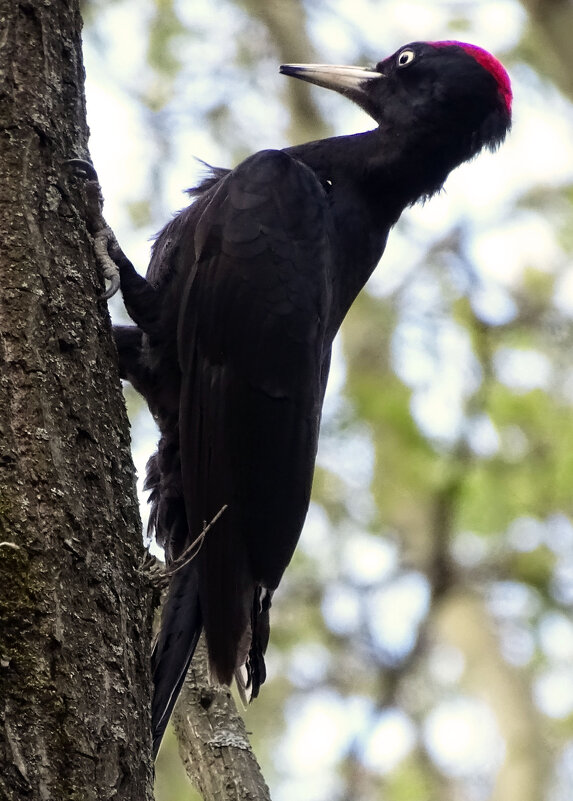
{"x": 370, "y": 179}
{"x": 386, "y": 168}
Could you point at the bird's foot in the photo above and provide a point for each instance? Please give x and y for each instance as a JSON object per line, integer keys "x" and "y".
{"x": 154, "y": 570}
{"x": 104, "y": 238}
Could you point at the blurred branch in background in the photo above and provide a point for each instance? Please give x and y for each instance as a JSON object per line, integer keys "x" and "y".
{"x": 548, "y": 44}
{"x": 465, "y": 622}
{"x": 286, "y": 24}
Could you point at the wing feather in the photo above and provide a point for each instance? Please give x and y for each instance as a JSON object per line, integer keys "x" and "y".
{"x": 252, "y": 351}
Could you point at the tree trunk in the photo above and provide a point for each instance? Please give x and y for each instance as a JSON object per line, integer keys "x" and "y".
{"x": 74, "y": 610}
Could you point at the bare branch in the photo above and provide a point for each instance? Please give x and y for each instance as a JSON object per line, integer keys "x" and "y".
{"x": 213, "y": 742}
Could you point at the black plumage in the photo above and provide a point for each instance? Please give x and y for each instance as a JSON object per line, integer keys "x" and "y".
{"x": 245, "y": 292}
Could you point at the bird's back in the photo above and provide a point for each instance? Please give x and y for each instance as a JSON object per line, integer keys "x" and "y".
{"x": 248, "y": 271}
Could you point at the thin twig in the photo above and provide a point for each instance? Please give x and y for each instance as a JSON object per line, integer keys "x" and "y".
{"x": 159, "y": 574}
{"x": 192, "y": 550}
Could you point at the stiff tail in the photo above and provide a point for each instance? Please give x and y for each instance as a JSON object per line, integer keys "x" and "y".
{"x": 181, "y": 625}
{"x": 253, "y": 673}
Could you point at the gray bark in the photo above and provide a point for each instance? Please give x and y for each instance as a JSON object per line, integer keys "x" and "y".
{"x": 74, "y": 610}
{"x": 213, "y": 741}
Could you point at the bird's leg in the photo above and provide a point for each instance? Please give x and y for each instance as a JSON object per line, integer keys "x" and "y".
{"x": 141, "y": 299}
{"x": 107, "y": 249}
{"x": 154, "y": 569}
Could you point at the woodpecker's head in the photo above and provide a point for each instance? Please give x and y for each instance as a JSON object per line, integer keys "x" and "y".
{"x": 439, "y": 89}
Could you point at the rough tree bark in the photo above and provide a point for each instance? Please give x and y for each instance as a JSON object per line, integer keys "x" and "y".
{"x": 74, "y": 610}
{"x": 213, "y": 741}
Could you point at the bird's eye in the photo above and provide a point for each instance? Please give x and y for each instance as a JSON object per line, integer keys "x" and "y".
{"x": 405, "y": 58}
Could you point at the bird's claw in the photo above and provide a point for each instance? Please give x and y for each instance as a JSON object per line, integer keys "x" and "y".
{"x": 154, "y": 570}
{"x": 101, "y": 232}
{"x": 114, "y": 284}
{"x": 83, "y": 169}
{"x": 102, "y": 240}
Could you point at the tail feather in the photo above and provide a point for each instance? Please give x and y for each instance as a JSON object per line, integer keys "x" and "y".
{"x": 181, "y": 625}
